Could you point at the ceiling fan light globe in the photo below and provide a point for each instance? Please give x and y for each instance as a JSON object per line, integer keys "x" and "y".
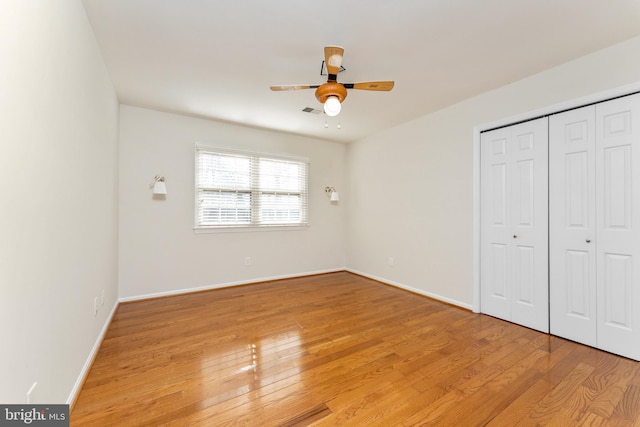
{"x": 332, "y": 106}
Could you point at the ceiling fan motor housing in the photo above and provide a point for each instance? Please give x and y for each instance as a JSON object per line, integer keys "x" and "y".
{"x": 328, "y": 89}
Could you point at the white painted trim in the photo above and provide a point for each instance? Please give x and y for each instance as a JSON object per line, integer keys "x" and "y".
{"x": 556, "y": 108}
{"x": 249, "y": 229}
{"x": 89, "y": 362}
{"x": 475, "y": 306}
{"x": 227, "y": 285}
{"x": 411, "y": 289}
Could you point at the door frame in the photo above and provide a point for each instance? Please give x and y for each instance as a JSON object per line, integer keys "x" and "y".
{"x": 546, "y": 111}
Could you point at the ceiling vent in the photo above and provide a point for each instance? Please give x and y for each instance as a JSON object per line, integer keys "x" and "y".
{"x": 311, "y": 110}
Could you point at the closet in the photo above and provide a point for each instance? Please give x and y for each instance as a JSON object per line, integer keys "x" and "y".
{"x": 589, "y": 275}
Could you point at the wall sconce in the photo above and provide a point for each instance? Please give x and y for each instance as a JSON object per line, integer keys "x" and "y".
{"x": 333, "y": 193}
{"x": 158, "y": 185}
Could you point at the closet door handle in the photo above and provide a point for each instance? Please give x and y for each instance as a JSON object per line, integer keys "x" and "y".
{"x": 515, "y": 236}
{"x": 588, "y": 240}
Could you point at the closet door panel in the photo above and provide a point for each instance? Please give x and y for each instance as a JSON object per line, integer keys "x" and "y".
{"x": 498, "y": 214}
{"x": 523, "y": 206}
{"x": 572, "y": 228}
{"x": 524, "y": 266}
{"x": 514, "y": 221}
{"x": 617, "y": 188}
{"x": 530, "y": 207}
{"x": 578, "y": 190}
{"x": 579, "y": 302}
{"x": 618, "y": 228}
{"x": 495, "y": 255}
{"x": 618, "y": 291}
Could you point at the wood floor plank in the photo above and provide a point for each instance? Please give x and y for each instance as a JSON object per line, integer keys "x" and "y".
{"x": 628, "y": 408}
{"x": 489, "y": 392}
{"x": 340, "y": 349}
{"x": 553, "y": 404}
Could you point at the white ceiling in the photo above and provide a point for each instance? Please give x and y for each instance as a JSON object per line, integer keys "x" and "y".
{"x": 216, "y": 59}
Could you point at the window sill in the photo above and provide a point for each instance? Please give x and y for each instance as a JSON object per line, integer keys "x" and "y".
{"x": 248, "y": 228}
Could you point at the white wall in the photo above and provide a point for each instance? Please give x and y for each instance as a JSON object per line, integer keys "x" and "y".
{"x": 58, "y": 214}
{"x": 159, "y": 251}
{"x": 430, "y": 179}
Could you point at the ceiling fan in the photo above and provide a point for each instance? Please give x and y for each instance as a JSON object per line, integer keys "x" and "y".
{"x": 332, "y": 93}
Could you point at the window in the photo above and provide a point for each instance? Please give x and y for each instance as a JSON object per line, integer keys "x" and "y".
{"x": 239, "y": 189}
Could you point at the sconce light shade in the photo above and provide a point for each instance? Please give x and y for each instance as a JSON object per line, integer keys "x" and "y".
{"x": 159, "y": 187}
{"x": 333, "y": 194}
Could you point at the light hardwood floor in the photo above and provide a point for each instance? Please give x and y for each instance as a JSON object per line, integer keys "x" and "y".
{"x": 340, "y": 349}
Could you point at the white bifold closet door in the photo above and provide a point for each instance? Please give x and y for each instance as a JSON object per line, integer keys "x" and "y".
{"x": 572, "y": 225}
{"x": 594, "y": 172}
{"x": 514, "y": 224}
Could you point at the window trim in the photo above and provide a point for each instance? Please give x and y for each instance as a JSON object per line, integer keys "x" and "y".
{"x": 226, "y": 228}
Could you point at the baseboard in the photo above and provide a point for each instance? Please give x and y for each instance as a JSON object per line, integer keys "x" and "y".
{"x": 75, "y": 391}
{"x": 227, "y": 285}
{"x": 412, "y": 289}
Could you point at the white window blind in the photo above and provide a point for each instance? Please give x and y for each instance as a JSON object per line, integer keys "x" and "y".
{"x": 249, "y": 190}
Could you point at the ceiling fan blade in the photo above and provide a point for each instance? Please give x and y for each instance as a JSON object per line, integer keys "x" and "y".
{"x": 379, "y": 86}
{"x": 333, "y": 60}
{"x": 293, "y": 87}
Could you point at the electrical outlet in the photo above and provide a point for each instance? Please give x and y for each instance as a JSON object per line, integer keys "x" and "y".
{"x": 391, "y": 262}
{"x": 102, "y": 298}
{"x": 31, "y": 394}
{"x": 247, "y": 260}
{"x": 95, "y": 306}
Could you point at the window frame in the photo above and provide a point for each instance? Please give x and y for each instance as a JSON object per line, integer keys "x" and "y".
{"x": 255, "y": 191}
